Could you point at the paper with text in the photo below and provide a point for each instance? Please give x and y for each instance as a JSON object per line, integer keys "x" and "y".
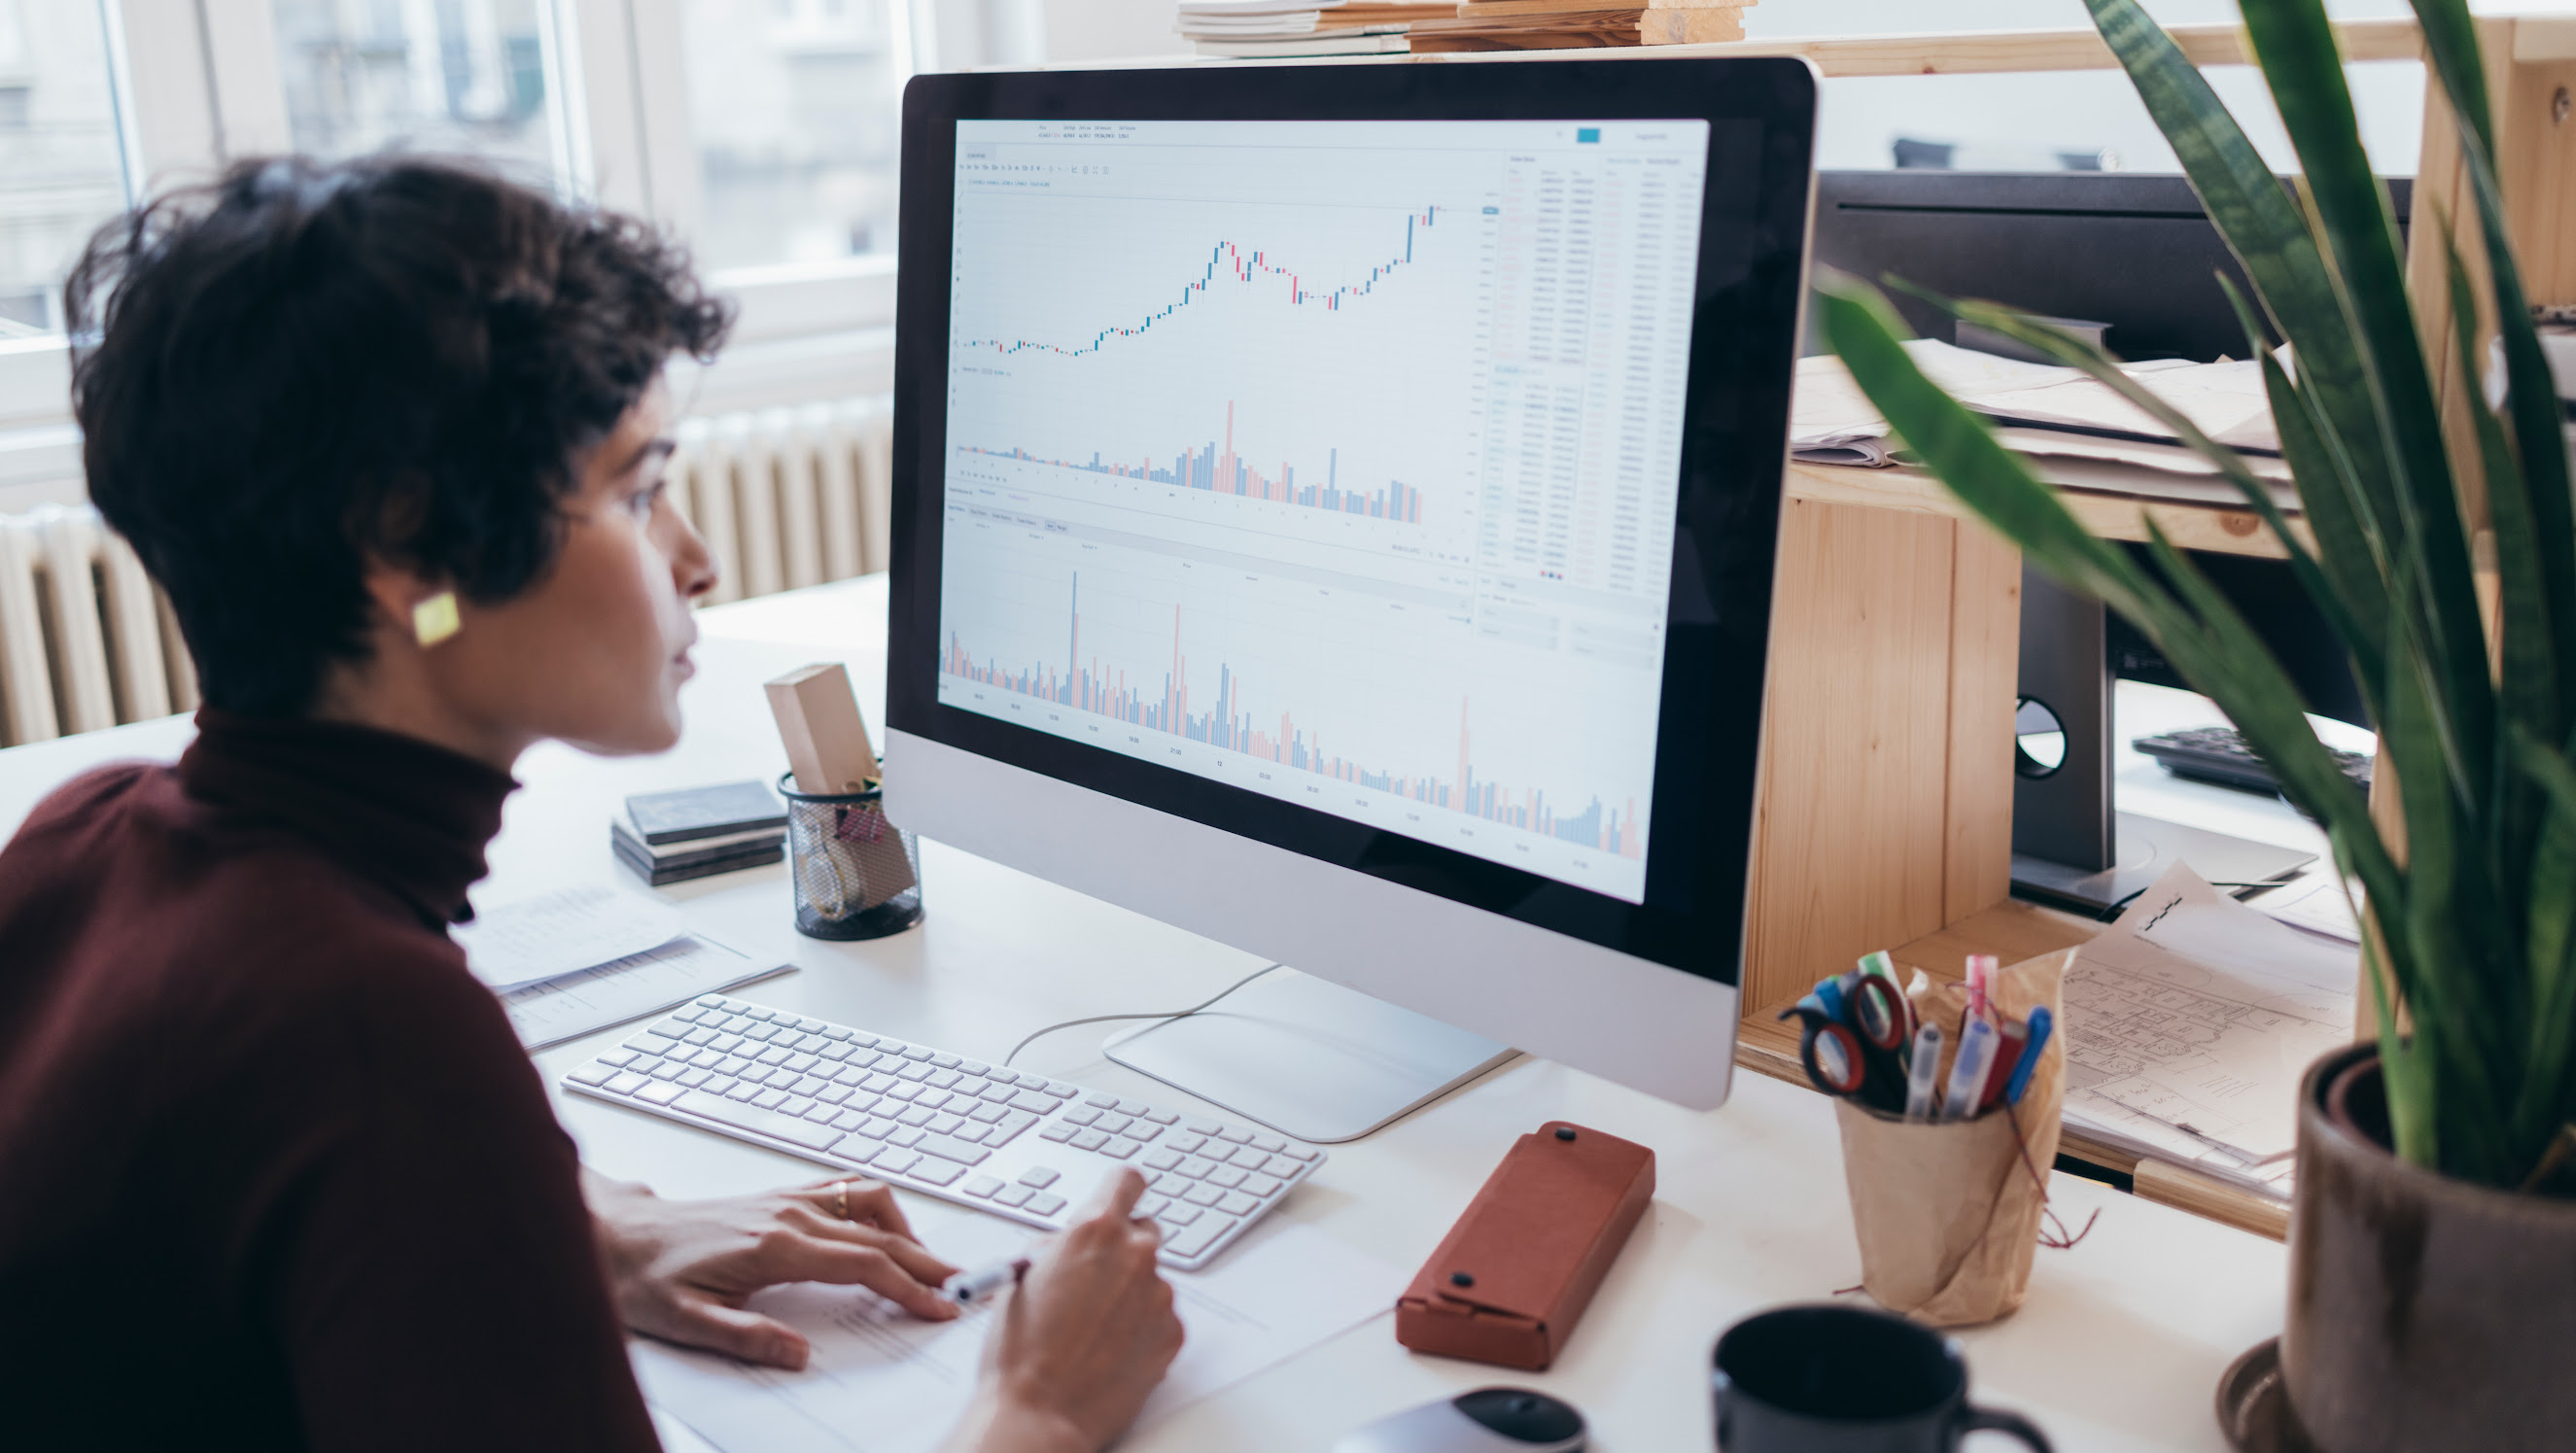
{"x": 639, "y": 984}
{"x": 881, "y": 1381}
{"x": 2200, "y": 1014}
{"x": 560, "y": 933}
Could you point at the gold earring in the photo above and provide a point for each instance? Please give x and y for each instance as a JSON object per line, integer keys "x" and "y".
{"x": 434, "y": 619}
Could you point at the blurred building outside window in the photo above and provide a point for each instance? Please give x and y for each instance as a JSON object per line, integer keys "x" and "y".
{"x": 62, "y": 164}
{"x": 448, "y": 77}
{"x": 795, "y": 109}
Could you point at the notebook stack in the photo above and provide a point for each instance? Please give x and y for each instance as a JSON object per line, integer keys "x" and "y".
{"x": 671, "y": 837}
{"x": 1575, "y": 24}
{"x": 1302, "y": 27}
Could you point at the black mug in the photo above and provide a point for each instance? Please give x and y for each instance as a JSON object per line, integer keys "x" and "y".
{"x": 1836, "y": 1379}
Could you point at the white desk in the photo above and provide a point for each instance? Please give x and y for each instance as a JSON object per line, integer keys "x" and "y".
{"x": 2119, "y": 1347}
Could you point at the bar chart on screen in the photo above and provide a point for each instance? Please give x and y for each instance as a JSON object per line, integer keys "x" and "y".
{"x": 1346, "y": 478}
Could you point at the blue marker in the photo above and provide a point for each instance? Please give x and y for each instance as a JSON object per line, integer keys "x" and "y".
{"x": 2041, "y": 1021}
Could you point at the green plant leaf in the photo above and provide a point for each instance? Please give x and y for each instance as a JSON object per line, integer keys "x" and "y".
{"x": 2270, "y": 237}
{"x": 2551, "y": 944}
{"x": 2294, "y": 42}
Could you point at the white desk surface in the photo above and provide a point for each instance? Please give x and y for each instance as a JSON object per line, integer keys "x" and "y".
{"x": 2119, "y": 1346}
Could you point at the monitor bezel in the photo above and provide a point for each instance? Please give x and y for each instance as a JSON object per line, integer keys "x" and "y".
{"x": 1749, "y": 286}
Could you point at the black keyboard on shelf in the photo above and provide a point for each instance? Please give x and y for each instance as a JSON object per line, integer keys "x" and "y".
{"x": 2219, "y": 755}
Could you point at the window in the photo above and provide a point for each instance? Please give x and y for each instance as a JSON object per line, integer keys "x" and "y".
{"x": 449, "y": 76}
{"x": 795, "y": 106}
{"x": 62, "y": 167}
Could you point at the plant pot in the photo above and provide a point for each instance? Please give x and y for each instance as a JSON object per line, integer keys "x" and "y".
{"x": 2425, "y": 1312}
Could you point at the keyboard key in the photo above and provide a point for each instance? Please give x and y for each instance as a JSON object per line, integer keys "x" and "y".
{"x": 970, "y": 1132}
{"x": 906, "y": 1136}
{"x": 1196, "y": 1166}
{"x": 849, "y": 1120}
{"x": 661, "y": 1094}
{"x": 1268, "y": 1144}
{"x": 1262, "y": 1186}
{"x": 946, "y": 1124}
{"x": 1014, "y": 1195}
{"x": 1228, "y": 1176}
{"x": 618, "y": 1058}
{"x": 935, "y": 1171}
{"x": 1080, "y": 1117}
{"x": 915, "y": 1072}
{"x": 803, "y": 1064}
{"x": 1170, "y": 1184}
{"x": 1236, "y": 1203}
{"x": 881, "y": 1126}
{"x": 1149, "y": 1205}
{"x": 823, "y": 1114}
{"x": 1119, "y": 1148}
{"x": 1143, "y": 1129}
{"x": 1194, "y": 1239}
{"x": 916, "y": 1052}
{"x": 1162, "y": 1117}
{"x": 1178, "y": 1213}
{"x": 719, "y": 1084}
{"x": 1204, "y": 1195}
{"x": 774, "y": 1055}
{"x": 626, "y": 1084}
{"x": 982, "y": 1186}
{"x": 896, "y": 1162}
{"x": 1089, "y": 1140}
{"x": 1298, "y": 1152}
{"x": 944, "y": 1079}
{"x": 833, "y": 1094}
{"x": 1011, "y": 1125}
{"x": 1199, "y": 1125}
{"x": 713, "y": 1001}
{"x": 1101, "y": 1101}
{"x": 1133, "y": 1107}
{"x": 1162, "y": 1160}
{"x": 1033, "y": 1101}
{"x": 743, "y": 1090}
{"x": 859, "y": 1148}
{"x": 1060, "y": 1090}
{"x": 770, "y": 1099}
{"x": 592, "y": 1074}
{"x": 756, "y": 1120}
{"x": 1058, "y": 1133}
{"x": 1235, "y": 1133}
{"x": 1250, "y": 1157}
{"x": 808, "y": 1086}
{"x": 1186, "y": 1143}
{"x": 1280, "y": 1166}
{"x": 1046, "y": 1205}
{"x": 996, "y": 1092}
{"x": 988, "y": 1114}
{"x": 914, "y": 1115}
{"x": 946, "y": 1061}
{"x": 699, "y": 1035}
{"x": 931, "y": 1099}
{"x": 1113, "y": 1124}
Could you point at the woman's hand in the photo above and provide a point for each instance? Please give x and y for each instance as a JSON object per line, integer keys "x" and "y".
{"x": 682, "y": 1270}
{"x": 1083, "y": 1340}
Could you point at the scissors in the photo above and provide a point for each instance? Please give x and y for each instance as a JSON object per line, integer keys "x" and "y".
{"x": 1857, "y": 1028}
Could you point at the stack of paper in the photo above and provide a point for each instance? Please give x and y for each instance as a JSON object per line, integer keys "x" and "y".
{"x": 2070, "y": 423}
{"x": 1301, "y": 27}
{"x": 582, "y": 959}
{"x": 1572, "y": 24}
{"x": 2189, "y": 1024}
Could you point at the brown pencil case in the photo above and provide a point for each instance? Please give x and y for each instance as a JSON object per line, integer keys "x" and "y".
{"x": 1511, "y": 1278}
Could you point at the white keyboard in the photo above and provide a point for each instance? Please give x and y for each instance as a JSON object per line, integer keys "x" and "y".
{"x": 1015, "y": 1144}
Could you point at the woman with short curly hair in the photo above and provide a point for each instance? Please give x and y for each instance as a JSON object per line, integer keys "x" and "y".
{"x": 273, "y": 1169}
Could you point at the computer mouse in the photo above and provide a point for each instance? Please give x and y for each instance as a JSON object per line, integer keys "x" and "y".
{"x": 1488, "y": 1420}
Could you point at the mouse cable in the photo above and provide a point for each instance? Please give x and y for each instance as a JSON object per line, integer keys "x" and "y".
{"x": 1105, "y": 1018}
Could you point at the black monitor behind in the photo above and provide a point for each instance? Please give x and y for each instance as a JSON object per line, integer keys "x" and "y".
{"x": 2132, "y": 250}
{"x": 2138, "y": 254}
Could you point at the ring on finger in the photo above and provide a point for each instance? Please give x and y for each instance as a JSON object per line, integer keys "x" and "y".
{"x": 841, "y": 1199}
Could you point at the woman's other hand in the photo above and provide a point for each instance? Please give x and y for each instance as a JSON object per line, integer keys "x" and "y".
{"x": 683, "y": 1270}
{"x": 1083, "y": 1340}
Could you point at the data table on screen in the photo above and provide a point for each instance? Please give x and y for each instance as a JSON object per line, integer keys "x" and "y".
{"x": 1334, "y": 460}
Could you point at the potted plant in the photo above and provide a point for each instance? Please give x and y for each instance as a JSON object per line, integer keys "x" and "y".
{"x": 2433, "y": 1240}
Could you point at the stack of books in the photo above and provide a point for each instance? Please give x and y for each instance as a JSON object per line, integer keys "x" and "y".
{"x": 1575, "y": 24}
{"x": 671, "y": 837}
{"x": 1302, "y": 27}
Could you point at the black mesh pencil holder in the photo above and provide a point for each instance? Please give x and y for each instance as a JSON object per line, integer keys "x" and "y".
{"x": 857, "y": 875}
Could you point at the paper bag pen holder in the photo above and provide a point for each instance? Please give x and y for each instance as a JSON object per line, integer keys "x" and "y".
{"x": 1949, "y": 1213}
{"x": 857, "y": 874}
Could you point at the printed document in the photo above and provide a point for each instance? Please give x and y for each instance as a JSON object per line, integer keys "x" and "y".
{"x": 2189, "y": 1023}
{"x": 883, "y": 1381}
{"x": 660, "y": 978}
{"x": 561, "y": 933}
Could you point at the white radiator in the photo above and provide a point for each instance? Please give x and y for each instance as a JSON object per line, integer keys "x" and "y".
{"x": 785, "y": 497}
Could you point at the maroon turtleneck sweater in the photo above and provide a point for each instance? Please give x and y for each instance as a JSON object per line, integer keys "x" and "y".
{"x": 274, "y": 1171}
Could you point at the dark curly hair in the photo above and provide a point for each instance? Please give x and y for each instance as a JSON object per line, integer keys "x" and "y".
{"x": 304, "y": 366}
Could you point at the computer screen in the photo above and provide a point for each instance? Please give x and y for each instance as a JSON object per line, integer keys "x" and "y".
{"x": 1333, "y": 460}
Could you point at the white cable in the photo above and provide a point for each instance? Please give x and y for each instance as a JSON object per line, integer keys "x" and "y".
{"x": 1105, "y": 1018}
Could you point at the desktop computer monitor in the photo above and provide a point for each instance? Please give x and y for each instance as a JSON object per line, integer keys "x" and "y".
{"x": 1335, "y": 511}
